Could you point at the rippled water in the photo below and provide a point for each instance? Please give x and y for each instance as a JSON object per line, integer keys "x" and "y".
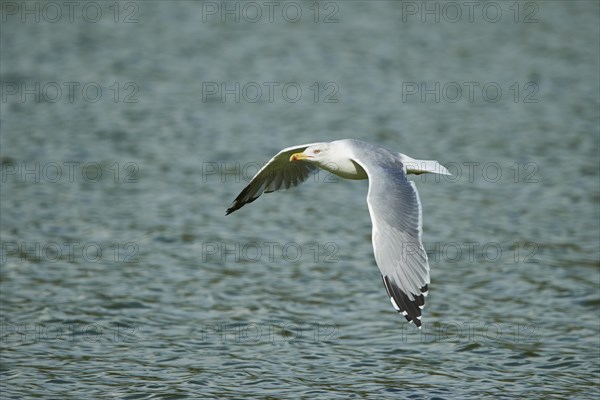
{"x": 121, "y": 276}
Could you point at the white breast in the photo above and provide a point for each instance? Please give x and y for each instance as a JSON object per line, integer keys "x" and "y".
{"x": 345, "y": 168}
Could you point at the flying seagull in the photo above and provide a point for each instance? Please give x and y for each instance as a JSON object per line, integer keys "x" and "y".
{"x": 392, "y": 199}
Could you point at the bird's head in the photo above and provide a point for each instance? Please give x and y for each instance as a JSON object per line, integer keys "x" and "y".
{"x": 316, "y": 153}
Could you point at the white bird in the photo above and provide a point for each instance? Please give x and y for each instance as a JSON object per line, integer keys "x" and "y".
{"x": 392, "y": 199}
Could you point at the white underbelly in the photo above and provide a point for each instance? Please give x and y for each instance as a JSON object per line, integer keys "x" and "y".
{"x": 347, "y": 170}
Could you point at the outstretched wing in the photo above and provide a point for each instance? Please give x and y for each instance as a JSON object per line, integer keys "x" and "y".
{"x": 395, "y": 211}
{"x": 278, "y": 173}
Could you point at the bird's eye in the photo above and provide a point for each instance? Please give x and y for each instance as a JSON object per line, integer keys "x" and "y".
{"x": 316, "y": 151}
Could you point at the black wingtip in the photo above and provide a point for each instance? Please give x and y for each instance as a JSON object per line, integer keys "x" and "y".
{"x": 237, "y": 203}
{"x": 410, "y": 309}
{"x": 233, "y": 207}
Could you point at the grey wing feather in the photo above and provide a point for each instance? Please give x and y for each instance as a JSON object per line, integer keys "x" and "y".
{"x": 276, "y": 174}
{"x": 395, "y": 211}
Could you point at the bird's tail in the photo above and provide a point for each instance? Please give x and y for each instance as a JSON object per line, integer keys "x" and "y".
{"x": 423, "y": 166}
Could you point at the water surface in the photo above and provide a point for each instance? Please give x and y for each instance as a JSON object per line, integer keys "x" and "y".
{"x": 121, "y": 276}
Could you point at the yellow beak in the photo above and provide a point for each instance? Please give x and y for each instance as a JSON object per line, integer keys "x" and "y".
{"x": 298, "y": 156}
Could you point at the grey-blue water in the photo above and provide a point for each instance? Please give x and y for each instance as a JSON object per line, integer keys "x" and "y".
{"x": 128, "y": 128}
